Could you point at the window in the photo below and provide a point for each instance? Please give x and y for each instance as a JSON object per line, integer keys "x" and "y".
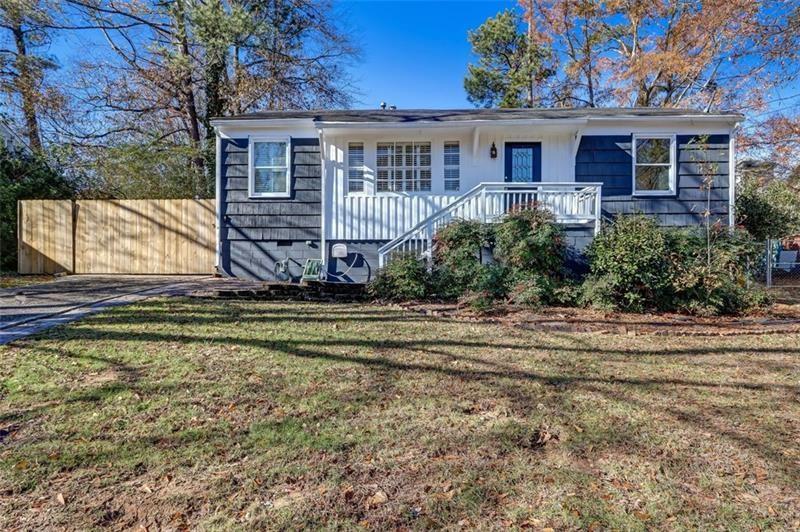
{"x": 404, "y": 166}
{"x": 355, "y": 167}
{"x": 269, "y": 168}
{"x": 452, "y": 162}
{"x": 653, "y": 164}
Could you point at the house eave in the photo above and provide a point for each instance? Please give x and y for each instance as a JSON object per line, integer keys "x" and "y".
{"x": 221, "y": 124}
{"x": 425, "y": 124}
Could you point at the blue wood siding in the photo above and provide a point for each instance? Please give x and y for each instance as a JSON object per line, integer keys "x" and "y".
{"x": 257, "y": 233}
{"x": 608, "y": 159}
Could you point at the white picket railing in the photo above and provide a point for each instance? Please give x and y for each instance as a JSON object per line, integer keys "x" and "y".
{"x": 571, "y": 203}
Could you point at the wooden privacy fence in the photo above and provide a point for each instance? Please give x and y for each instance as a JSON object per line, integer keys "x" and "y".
{"x": 116, "y": 236}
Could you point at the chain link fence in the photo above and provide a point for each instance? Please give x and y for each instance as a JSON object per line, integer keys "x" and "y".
{"x": 782, "y": 267}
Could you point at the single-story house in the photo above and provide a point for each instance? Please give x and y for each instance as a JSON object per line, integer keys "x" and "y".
{"x": 342, "y": 191}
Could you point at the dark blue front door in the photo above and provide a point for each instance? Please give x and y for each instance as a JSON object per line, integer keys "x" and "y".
{"x": 523, "y": 162}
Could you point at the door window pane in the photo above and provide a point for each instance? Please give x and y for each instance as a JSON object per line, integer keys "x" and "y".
{"x": 521, "y": 164}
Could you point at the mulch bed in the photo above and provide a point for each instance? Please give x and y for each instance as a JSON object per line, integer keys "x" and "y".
{"x": 778, "y": 319}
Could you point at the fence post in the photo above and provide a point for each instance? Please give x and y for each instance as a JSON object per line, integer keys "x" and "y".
{"x": 769, "y": 263}
{"x": 598, "y": 209}
{"x": 429, "y": 242}
{"x": 74, "y": 233}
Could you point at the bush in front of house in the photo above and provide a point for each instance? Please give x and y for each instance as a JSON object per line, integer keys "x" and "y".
{"x": 636, "y": 266}
{"x": 530, "y": 242}
{"x": 767, "y": 208}
{"x": 457, "y": 256}
{"x": 527, "y": 267}
{"x": 629, "y": 266}
{"x": 404, "y": 278}
{"x": 710, "y": 271}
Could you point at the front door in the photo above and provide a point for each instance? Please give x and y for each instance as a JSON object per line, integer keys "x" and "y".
{"x": 523, "y": 162}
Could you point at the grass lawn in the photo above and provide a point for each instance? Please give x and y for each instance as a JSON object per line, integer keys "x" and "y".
{"x": 13, "y": 280}
{"x": 226, "y": 415}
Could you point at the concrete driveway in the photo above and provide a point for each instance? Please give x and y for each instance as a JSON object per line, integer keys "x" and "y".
{"x": 30, "y": 309}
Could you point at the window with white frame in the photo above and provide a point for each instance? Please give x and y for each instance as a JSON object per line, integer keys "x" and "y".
{"x": 355, "y": 167}
{"x": 269, "y": 168}
{"x": 452, "y": 166}
{"x": 653, "y": 164}
{"x": 403, "y": 167}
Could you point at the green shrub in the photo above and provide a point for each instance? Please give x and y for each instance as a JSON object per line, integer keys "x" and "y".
{"x": 478, "y": 300}
{"x": 529, "y": 249}
{"x": 533, "y": 290}
{"x": 24, "y": 176}
{"x": 599, "y": 292}
{"x": 404, "y": 278}
{"x": 457, "y": 255}
{"x": 530, "y": 241}
{"x": 629, "y": 266}
{"x": 636, "y": 266}
{"x": 493, "y": 279}
{"x": 710, "y": 271}
{"x": 767, "y": 209}
{"x": 567, "y": 294}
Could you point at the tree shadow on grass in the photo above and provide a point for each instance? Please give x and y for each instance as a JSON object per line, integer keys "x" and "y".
{"x": 453, "y": 359}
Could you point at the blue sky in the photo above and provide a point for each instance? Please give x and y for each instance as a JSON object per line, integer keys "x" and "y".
{"x": 414, "y": 53}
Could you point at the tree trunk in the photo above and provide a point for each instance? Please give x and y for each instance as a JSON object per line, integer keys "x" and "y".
{"x": 187, "y": 93}
{"x": 26, "y": 86}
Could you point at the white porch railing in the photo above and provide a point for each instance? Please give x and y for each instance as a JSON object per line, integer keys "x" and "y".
{"x": 571, "y": 203}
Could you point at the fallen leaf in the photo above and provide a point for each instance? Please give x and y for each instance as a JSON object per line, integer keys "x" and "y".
{"x": 376, "y": 500}
{"x": 60, "y": 499}
{"x": 347, "y": 492}
{"x": 446, "y": 495}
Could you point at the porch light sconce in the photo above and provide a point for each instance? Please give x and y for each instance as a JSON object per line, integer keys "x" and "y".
{"x": 493, "y": 151}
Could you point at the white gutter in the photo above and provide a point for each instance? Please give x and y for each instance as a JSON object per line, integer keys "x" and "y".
{"x": 453, "y": 123}
{"x": 732, "y": 177}
{"x": 323, "y": 210}
{"x": 476, "y": 136}
{"x": 729, "y": 119}
{"x": 310, "y": 122}
{"x": 236, "y": 122}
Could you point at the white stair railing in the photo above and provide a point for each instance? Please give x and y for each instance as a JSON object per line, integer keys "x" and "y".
{"x": 571, "y": 203}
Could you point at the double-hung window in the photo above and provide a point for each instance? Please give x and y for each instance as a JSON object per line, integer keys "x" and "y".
{"x": 403, "y": 167}
{"x": 355, "y": 167}
{"x": 269, "y": 168}
{"x": 653, "y": 165}
{"x": 452, "y": 166}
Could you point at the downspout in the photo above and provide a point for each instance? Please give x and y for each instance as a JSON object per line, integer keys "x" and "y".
{"x": 732, "y": 177}
{"x": 218, "y": 202}
{"x": 576, "y": 144}
{"x": 323, "y": 196}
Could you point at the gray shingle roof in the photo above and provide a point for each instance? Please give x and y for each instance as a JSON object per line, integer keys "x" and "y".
{"x": 458, "y": 115}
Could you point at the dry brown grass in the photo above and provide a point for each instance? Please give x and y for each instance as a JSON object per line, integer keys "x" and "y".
{"x": 234, "y": 415}
{"x": 12, "y": 280}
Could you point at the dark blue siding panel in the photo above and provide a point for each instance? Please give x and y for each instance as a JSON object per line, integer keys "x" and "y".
{"x": 702, "y": 175}
{"x": 257, "y": 234}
